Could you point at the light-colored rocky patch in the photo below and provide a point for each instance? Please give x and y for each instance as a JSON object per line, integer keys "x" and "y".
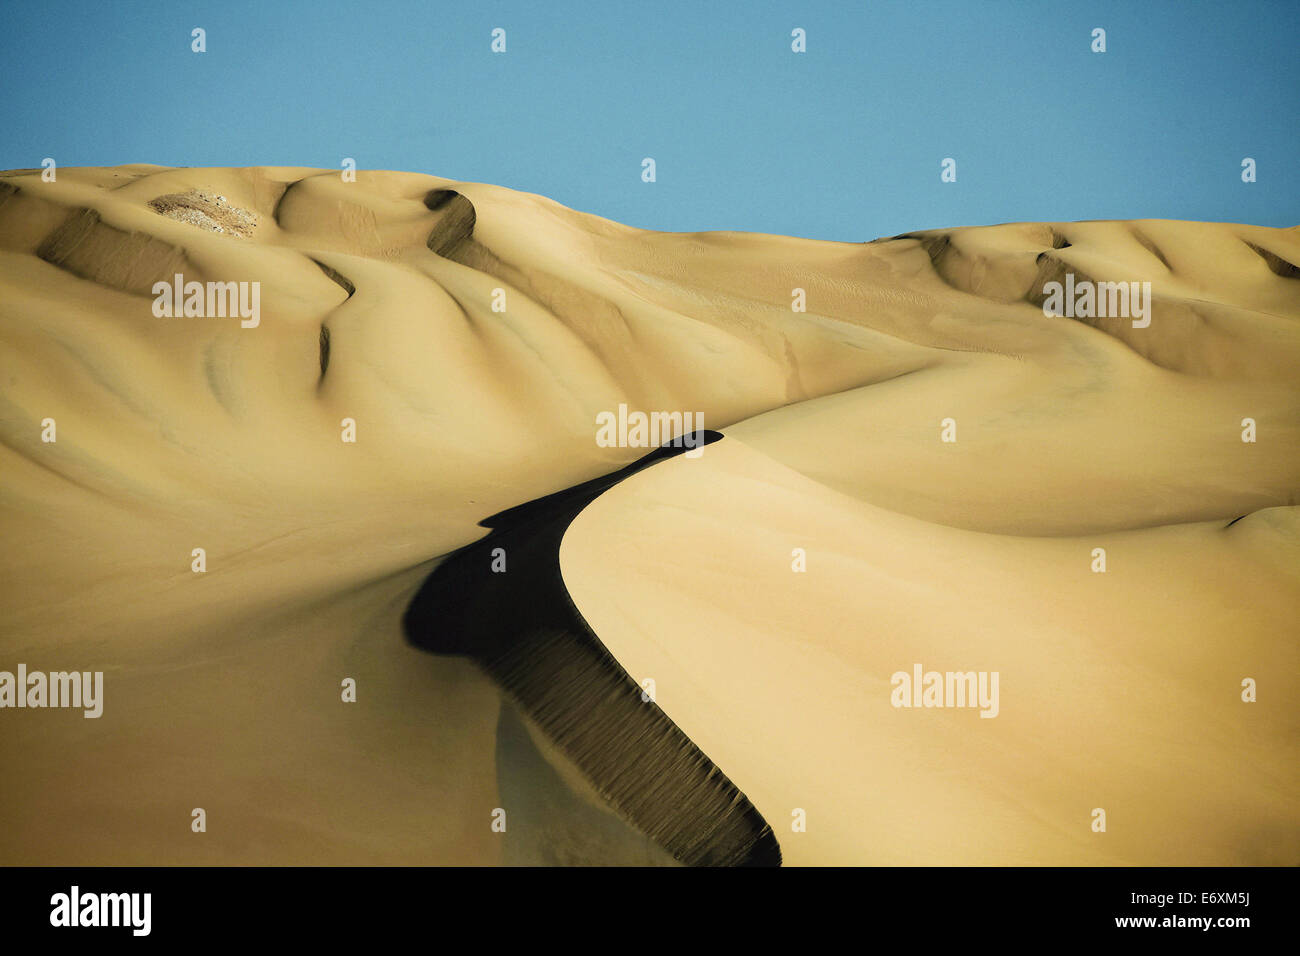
{"x": 208, "y": 211}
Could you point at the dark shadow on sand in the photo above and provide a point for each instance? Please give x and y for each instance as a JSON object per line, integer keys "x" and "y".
{"x": 522, "y": 627}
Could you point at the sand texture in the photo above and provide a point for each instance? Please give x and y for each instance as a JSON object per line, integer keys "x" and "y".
{"x": 474, "y": 335}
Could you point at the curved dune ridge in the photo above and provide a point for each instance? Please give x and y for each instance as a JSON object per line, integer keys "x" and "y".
{"x": 472, "y": 335}
{"x": 517, "y": 621}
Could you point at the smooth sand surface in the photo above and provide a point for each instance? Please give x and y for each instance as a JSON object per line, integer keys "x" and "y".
{"x": 1117, "y": 690}
{"x": 222, "y": 688}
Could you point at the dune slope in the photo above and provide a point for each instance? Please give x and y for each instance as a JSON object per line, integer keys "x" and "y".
{"x": 471, "y": 335}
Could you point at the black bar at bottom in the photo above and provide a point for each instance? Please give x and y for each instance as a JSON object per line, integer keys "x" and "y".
{"x": 303, "y": 905}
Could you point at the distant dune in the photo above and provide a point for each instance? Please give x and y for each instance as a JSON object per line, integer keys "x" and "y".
{"x": 472, "y": 335}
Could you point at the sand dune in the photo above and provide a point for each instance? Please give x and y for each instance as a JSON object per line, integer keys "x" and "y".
{"x": 1120, "y": 690}
{"x": 1117, "y": 690}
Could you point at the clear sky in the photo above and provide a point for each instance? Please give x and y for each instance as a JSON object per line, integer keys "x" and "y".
{"x": 841, "y": 142}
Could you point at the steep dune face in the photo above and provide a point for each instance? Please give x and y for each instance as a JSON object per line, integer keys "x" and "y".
{"x": 1119, "y": 691}
{"x": 174, "y": 434}
{"x": 472, "y": 334}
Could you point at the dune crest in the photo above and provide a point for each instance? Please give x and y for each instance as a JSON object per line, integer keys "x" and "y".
{"x": 431, "y": 352}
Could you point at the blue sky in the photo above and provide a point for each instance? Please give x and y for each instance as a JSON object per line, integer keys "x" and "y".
{"x": 842, "y": 142}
